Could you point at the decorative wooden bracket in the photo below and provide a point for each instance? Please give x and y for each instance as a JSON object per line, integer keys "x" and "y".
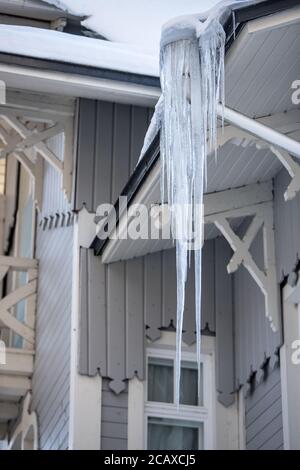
{"x": 27, "y": 142}
{"x": 265, "y": 278}
{"x": 26, "y": 292}
{"x": 293, "y": 169}
{"x": 27, "y": 429}
{"x": 288, "y": 124}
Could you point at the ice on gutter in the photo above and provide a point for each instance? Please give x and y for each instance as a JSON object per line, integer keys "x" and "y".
{"x": 192, "y": 82}
{"x": 68, "y": 48}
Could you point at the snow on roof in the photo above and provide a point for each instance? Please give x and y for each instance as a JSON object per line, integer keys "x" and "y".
{"x": 63, "y": 47}
{"x": 135, "y": 22}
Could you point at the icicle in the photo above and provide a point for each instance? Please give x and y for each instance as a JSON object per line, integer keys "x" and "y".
{"x": 233, "y": 24}
{"x": 192, "y": 81}
{"x": 192, "y": 78}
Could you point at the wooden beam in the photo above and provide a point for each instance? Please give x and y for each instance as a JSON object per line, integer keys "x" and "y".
{"x": 15, "y": 386}
{"x": 293, "y": 169}
{"x": 234, "y": 199}
{"x": 68, "y": 157}
{"x": 40, "y": 147}
{"x": 237, "y": 259}
{"x": 3, "y": 431}
{"x": 11, "y": 322}
{"x": 8, "y": 411}
{"x": 37, "y": 106}
{"x": 266, "y": 279}
{"x": 18, "y": 264}
{"x": 36, "y": 137}
{"x": 18, "y": 362}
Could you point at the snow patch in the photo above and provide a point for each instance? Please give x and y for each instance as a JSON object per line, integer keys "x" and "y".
{"x": 135, "y": 22}
{"x": 62, "y": 47}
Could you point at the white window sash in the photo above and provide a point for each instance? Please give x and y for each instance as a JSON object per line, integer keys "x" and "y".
{"x": 197, "y": 414}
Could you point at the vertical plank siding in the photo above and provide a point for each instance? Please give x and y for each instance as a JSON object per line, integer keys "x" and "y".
{"x": 54, "y": 200}
{"x": 119, "y": 301}
{"x": 110, "y": 139}
{"x": 54, "y": 250}
{"x": 255, "y": 341}
{"x": 287, "y": 224}
{"x": 51, "y": 381}
{"x": 264, "y": 428}
{"x": 123, "y": 302}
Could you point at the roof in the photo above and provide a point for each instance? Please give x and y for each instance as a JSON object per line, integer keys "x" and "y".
{"x": 68, "y": 48}
{"x": 132, "y": 22}
{"x": 261, "y": 65}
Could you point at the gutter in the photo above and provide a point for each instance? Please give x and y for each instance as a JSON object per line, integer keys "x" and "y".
{"x": 242, "y": 16}
{"x": 75, "y": 69}
{"x": 35, "y": 10}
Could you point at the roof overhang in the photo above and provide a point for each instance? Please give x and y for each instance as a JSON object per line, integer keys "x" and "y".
{"x": 242, "y": 161}
{"x": 45, "y": 76}
{"x": 34, "y": 9}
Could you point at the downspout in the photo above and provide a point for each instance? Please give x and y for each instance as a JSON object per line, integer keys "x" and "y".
{"x": 259, "y": 130}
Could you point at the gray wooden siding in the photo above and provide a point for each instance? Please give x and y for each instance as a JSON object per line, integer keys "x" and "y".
{"x": 264, "y": 429}
{"x": 255, "y": 342}
{"x": 54, "y": 249}
{"x": 119, "y": 300}
{"x": 122, "y": 302}
{"x": 114, "y": 419}
{"x": 287, "y": 225}
{"x": 54, "y": 200}
{"x": 51, "y": 381}
{"x": 109, "y": 143}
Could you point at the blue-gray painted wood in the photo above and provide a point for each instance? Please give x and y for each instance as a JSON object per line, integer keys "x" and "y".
{"x": 54, "y": 199}
{"x": 287, "y": 227}
{"x": 124, "y": 302}
{"x": 110, "y": 139}
{"x": 114, "y": 418}
{"x": 224, "y": 323}
{"x": 51, "y": 380}
{"x": 263, "y": 420}
{"x": 54, "y": 250}
{"x": 113, "y": 320}
{"x": 255, "y": 342}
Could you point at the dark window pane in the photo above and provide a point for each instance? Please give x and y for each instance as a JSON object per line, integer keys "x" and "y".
{"x": 169, "y": 434}
{"x": 189, "y": 384}
{"x": 160, "y": 380}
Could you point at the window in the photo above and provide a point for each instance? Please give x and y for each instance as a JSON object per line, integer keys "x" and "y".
{"x": 190, "y": 426}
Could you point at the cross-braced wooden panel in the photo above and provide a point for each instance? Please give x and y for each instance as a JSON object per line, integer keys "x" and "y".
{"x": 24, "y": 132}
{"x": 26, "y": 292}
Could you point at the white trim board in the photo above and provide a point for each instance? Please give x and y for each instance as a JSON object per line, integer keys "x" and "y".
{"x": 290, "y": 372}
{"x": 85, "y": 392}
{"x": 225, "y": 432}
{"x": 66, "y": 84}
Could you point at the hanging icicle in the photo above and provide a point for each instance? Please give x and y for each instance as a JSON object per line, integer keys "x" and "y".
{"x": 192, "y": 78}
{"x": 192, "y": 81}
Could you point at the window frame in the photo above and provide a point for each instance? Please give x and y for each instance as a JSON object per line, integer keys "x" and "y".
{"x": 198, "y": 414}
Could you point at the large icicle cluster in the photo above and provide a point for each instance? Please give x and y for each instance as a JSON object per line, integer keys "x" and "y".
{"x": 192, "y": 81}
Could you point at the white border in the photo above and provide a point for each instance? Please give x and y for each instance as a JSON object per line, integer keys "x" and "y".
{"x": 85, "y": 392}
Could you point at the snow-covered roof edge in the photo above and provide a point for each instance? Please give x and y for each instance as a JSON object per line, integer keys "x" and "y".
{"x": 71, "y": 49}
